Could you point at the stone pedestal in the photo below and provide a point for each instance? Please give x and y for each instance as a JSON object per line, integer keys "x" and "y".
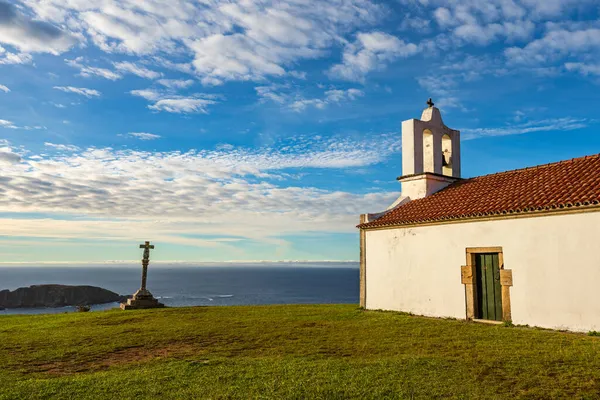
{"x": 141, "y": 299}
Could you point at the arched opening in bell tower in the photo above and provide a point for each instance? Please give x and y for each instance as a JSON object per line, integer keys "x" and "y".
{"x": 428, "y": 161}
{"x": 446, "y": 155}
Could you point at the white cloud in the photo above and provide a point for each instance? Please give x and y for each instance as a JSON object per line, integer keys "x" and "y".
{"x": 165, "y": 101}
{"x": 218, "y": 41}
{"x": 87, "y": 71}
{"x": 485, "y": 34}
{"x": 301, "y": 104}
{"x": 554, "y": 124}
{"x": 233, "y": 191}
{"x": 443, "y": 17}
{"x": 7, "y": 57}
{"x": 481, "y": 23}
{"x": 10, "y": 125}
{"x": 176, "y": 83}
{"x": 29, "y": 35}
{"x": 297, "y": 74}
{"x": 552, "y": 8}
{"x": 370, "y": 51}
{"x": 89, "y": 93}
{"x": 555, "y": 45}
{"x": 147, "y": 94}
{"x": 243, "y": 40}
{"x": 273, "y": 93}
{"x": 135, "y": 69}
{"x": 64, "y": 147}
{"x": 337, "y": 95}
{"x": 182, "y": 105}
{"x": 280, "y": 93}
{"x": 7, "y": 124}
{"x": 415, "y": 24}
{"x": 4, "y": 89}
{"x": 143, "y": 135}
{"x": 583, "y": 68}
{"x": 7, "y": 157}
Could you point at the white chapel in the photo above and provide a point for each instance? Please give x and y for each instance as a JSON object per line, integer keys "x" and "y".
{"x": 520, "y": 246}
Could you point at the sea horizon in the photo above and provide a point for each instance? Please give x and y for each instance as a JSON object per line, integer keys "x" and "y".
{"x": 208, "y": 284}
{"x": 137, "y": 263}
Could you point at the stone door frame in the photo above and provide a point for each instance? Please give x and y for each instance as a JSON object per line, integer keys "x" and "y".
{"x": 468, "y": 279}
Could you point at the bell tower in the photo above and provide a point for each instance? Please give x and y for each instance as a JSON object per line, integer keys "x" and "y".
{"x": 430, "y": 154}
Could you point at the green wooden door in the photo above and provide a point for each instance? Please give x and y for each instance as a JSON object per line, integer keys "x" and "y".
{"x": 489, "y": 291}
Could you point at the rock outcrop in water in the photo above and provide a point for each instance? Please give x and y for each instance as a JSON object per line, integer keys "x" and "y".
{"x": 57, "y": 296}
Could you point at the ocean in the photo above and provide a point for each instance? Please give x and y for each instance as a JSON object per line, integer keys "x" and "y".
{"x": 207, "y": 284}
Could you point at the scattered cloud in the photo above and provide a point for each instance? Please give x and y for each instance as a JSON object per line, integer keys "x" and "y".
{"x": 554, "y": 45}
{"x": 7, "y": 157}
{"x": 147, "y": 94}
{"x": 10, "y": 125}
{"x": 176, "y": 83}
{"x": 7, "y": 124}
{"x": 477, "y": 23}
{"x": 87, "y": 71}
{"x": 168, "y": 102}
{"x": 259, "y": 40}
{"x": 337, "y": 95}
{"x": 89, "y": 93}
{"x": 583, "y": 68}
{"x": 182, "y": 105}
{"x": 4, "y": 89}
{"x": 239, "y": 190}
{"x": 414, "y": 23}
{"x": 370, "y": 51}
{"x": 63, "y": 147}
{"x": 301, "y": 104}
{"x": 247, "y": 40}
{"x": 296, "y": 102}
{"x": 554, "y": 124}
{"x": 298, "y": 74}
{"x": 7, "y": 57}
{"x": 485, "y": 34}
{"x": 129, "y": 67}
{"x": 273, "y": 93}
{"x": 143, "y": 135}
{"x": 31, "y": 35}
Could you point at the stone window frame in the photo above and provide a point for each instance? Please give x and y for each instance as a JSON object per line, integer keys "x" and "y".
{"x": 468, "y": 279}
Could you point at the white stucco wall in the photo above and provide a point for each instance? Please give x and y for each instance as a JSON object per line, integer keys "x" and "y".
{"x": 555, "y": 262}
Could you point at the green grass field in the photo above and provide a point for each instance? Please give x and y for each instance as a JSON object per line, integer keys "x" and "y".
{"x": 297, "y": 352}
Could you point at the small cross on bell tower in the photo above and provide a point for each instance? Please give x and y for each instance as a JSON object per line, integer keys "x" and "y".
{"x": 430, "y": 103}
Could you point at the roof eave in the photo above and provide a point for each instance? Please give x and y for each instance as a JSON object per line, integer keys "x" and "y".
{"x": 513, "y": 215}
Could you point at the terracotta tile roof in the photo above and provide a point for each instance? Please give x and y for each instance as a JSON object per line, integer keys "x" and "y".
{"x": 563, "y": 185}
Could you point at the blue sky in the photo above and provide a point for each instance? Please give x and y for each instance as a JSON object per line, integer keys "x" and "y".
{"x": 261, "y": 129}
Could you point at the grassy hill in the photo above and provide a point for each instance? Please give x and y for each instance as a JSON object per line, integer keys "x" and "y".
{"x": 300, "y": 351}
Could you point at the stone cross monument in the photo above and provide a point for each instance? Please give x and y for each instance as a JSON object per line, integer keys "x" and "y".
{"x": 145, "y": 260}
{"x": 143, "y": 298}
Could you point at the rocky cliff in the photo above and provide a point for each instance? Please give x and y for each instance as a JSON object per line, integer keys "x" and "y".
{"x": 56, "y": 296}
